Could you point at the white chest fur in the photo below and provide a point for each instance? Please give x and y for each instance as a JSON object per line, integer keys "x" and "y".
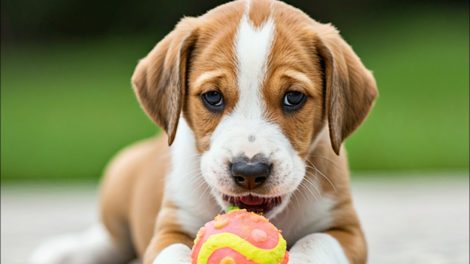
{"x": 304, "y": 215}
{"x": 185, "y": 186}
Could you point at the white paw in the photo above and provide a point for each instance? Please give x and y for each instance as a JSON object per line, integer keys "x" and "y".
{"x": 174, "y": 254}
{"x": 317, "y": 248}
{"x": 90, "y": 247}
{"x": 63, "y": 249}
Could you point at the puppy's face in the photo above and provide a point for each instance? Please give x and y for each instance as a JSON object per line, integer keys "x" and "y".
{"x": 255, "y": 114}
{"x": 256, "y": 88}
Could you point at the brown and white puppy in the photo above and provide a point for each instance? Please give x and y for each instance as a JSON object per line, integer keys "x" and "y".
{"x": 256, "y": 99}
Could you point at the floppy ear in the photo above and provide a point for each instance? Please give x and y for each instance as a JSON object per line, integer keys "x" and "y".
{"x": 350, "y": 87}
{"x": 159, "y": 80}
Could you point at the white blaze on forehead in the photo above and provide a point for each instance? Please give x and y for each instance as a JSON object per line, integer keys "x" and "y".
{"x": 253, "y": 45}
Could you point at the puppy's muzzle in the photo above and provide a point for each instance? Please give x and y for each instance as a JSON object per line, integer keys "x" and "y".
{"x": 250, "y": 173}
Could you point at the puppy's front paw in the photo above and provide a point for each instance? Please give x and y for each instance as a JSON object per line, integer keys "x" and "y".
{"x": 91, "y": 246}
{"x": 63, "y": 249}
{"x": 317, "y": 248}
{"x": 174, "y": 254}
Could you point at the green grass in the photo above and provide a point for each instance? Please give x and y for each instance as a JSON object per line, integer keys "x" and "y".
{"x": 68, "y": 107}
{"x": 421, "y": 119}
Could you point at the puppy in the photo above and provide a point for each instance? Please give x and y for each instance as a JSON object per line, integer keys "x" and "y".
{"x": 256, "y": 99}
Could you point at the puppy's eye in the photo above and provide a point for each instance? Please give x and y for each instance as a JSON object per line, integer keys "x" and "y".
{"x": 293, "y": 101}
{"x": 213, "y": 100}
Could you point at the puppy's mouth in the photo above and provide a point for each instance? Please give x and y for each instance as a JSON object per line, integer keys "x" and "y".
{"x": 253, "y": 203}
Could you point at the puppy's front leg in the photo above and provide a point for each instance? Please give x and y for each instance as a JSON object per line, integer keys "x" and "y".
{"x": 169, "y": 245}
{"x": 174, "y": 254}
{"x": 338, "y": 246}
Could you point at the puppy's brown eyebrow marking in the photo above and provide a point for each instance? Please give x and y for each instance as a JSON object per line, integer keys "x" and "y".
{"x": 207, "y": 76}
{"x": 299, "y": 76}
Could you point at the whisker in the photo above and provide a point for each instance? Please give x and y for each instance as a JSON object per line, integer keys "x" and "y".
{"x": 205, "y": 191}
{"x": 323, "y": 175}
{"x": 327, "y": 159}
{"x": 313, "y": 184}
{"x": 315, "y": 188}
{"x": 298, "y": 205}
{"x": 312, "y": 192}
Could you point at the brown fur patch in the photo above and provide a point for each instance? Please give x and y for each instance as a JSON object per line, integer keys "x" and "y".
{"x": 133, "y": 178}
{"x": 331, "y": 172}
{"x": 213, "y": 52}
{"x": 259, "y": 11}
{"x": 292, "y": 52}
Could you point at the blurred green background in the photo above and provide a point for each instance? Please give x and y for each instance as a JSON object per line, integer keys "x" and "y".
{"x": 67, "y": 105}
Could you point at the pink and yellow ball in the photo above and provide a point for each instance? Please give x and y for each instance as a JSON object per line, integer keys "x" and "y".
{"x": 239, "y": 237}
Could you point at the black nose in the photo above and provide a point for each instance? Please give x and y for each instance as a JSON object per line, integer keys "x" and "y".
{"x": 250, "y": 174}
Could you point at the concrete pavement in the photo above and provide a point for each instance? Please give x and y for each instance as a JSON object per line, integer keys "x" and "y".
{"x": 406, "y": 219}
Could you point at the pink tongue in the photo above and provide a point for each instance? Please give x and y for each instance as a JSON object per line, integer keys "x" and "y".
{"x": 251, "y": 200}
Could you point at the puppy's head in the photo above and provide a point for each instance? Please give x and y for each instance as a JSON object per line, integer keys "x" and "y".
{"x": 256, "y": 82}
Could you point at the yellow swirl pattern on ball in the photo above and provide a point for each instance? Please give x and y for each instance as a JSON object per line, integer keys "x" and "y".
{"x": 255, "y": 254}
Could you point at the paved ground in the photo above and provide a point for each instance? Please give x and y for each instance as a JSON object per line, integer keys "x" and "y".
{"x": 418, "y": 220}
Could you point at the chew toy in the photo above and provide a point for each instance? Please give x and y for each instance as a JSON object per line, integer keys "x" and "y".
{"x": 239, "y": 237}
